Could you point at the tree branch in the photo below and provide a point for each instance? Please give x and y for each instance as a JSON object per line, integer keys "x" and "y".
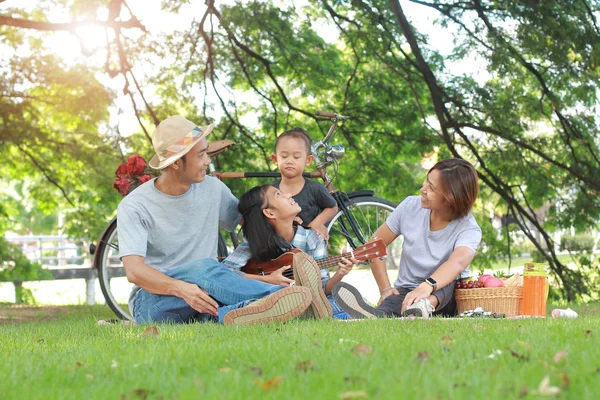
{"x": 68, "y": 26}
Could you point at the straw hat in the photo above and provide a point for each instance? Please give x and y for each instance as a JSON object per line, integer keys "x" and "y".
{"x": 173, "y": 138}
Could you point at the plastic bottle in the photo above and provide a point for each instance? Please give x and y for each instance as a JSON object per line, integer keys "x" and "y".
{"x": 534, "y": 290}
{"x": 568, "y": 313}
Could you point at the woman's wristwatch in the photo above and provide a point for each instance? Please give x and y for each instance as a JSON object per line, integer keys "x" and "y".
{"x": 432, "y": 282}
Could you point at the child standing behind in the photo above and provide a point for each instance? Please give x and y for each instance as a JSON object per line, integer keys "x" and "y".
{"x": 292, "y": 155}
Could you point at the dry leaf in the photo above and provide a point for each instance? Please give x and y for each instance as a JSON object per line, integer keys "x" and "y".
{"x": 79, "y": 364}
{"x": 558, "y": 357}
{"x": 588, "y": 332}
{"x": 269, "y": 384}
{"x": 89, "y": 377}
{"x": 565, "y": 380}
{"x": 524, "y": 391}
{"x": 524, "y": 344}
{"x": 141, "y": 394}
{"x": 256, "y": 370}
{"x": 305, "y": 366}
{"x": 519, "y": 356}
{"x": 447, "y": 339}
{"x": 354, "y": 379}
{"x": 362, "y": 350}
{"x": 546, "y": 389}
{"x": 151, "y": 332}
{"x": 225, "y": 370}
{"x": 423, "y": 356}
{"x": 359, "y": 394}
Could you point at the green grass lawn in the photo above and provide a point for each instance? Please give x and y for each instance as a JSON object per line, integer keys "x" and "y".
{"x": 59, "y": 353}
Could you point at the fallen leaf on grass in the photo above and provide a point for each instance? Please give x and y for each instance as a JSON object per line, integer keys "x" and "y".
{"x": 362, "y": 350}
{"x": 89, "y": 377}
{"x": 558, "y": 357}
{"x": 565, "y": 380}
{"x": 150, "y": 332}
{"x": 447, "y": 339}
{"x": 521, "y": 357}
{"x": 225, "y": 370}
{"x": 524, "y": 391}
{"x": 423, "y": 356}
{"x": 588, "y": 332}
{"x": 354, "y": 379}
{"x": 359, "y": 394}
{"x": 269, "y": 383}
{"x": 545, "y": 389}
{"x": 79, "y": 364}
{"x": 141, "y": 394}
{"x": 258, "y": 371}
{"x": 524, "y": 344}
{"x": 305, "y": 366}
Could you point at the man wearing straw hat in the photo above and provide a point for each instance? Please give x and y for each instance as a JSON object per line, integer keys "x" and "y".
{"x": 168, "y": 232}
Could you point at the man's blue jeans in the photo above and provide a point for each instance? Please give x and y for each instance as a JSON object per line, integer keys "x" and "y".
{"x": 226, "y": 287}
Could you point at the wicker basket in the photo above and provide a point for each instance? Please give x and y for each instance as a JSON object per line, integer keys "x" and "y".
{"x": 497, "y": 300}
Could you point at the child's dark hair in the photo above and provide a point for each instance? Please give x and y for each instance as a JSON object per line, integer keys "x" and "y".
{"x": 296, "y": 133}
{"x": 265, "y": 244}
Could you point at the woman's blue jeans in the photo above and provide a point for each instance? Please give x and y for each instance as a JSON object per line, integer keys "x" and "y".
{"x": 229, "y": 289}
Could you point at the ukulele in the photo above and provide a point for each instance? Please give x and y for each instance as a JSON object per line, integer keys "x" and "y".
{"x": 361, "y": 253}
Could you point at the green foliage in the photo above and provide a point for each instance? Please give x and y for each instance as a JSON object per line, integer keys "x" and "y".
{"x": 526, "y": 118}
{"x": 14, "y": 266}
{"x": 577, "y": 243}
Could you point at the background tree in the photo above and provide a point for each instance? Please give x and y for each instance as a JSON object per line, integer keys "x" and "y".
{"x": 528, "y": 121}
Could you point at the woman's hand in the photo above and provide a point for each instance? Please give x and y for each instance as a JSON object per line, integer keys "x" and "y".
{"x": 386, "y": 293}
{"x": 277, "y": 277}
{"x": 422, "y": 291}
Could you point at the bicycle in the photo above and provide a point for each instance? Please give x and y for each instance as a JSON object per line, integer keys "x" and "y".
{"x": 360, "y": 213}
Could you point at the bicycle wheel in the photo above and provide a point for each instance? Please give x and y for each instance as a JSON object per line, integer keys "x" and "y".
{"x": 358, "y": 218}
{"x": 113, "y": 281}
{"x": 111, "y": 274}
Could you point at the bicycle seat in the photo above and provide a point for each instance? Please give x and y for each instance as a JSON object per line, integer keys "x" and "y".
{"x": 216, "y": 148}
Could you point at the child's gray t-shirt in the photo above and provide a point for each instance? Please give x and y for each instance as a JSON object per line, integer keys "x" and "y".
{"x": 423, "y": 251}
{"x": 313, "y": 199}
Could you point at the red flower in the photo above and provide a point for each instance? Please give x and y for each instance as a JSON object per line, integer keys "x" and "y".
{"x": 137, "y": 165}
{"x": 123, "y": 171}
{"x": 122, "y": 185}
{"x": 144, "y": 178}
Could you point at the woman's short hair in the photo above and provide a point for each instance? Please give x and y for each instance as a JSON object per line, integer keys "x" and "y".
{"x": 459, "y": 184}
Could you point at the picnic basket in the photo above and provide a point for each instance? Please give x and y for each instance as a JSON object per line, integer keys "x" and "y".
{"x": 506, "y": 300}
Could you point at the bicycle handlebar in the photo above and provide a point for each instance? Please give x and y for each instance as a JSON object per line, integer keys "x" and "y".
{"x": 325, "y": 114}
{"x": 332, "y": 115}
{"x": 239, "y": 175}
